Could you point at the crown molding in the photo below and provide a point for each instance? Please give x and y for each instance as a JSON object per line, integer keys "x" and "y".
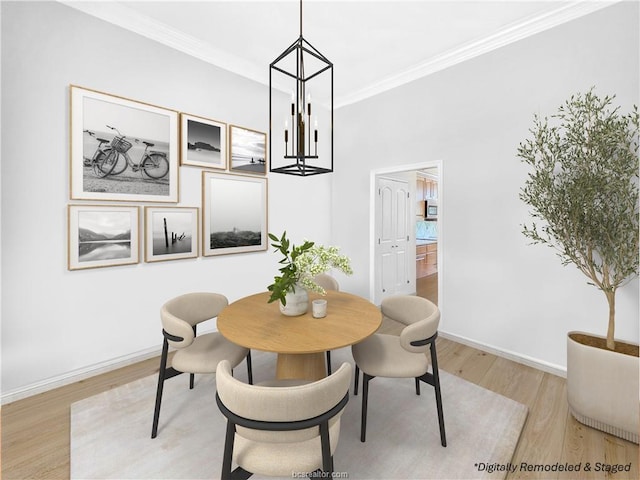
{"x": 119, "y": 14}
{"x": 510, "y": 34}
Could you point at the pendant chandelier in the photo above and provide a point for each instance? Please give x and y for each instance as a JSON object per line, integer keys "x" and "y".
{"x": 300, "y": 69}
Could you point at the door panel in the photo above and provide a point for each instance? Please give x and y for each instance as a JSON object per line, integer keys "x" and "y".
{"x": 387, "y": 236}
{"x": 393, "y": 237}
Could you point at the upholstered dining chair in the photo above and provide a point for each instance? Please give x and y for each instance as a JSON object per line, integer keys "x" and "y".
{"x": 402, "y": 356}
{"x": 195, "y": 354}
{"x": 327, "y": 282}
{"x": 279, "y": 430}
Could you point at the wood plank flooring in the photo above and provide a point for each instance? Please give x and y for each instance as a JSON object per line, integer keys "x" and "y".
{"x": 35, "y": 431}
{"x": 427, "y": 287}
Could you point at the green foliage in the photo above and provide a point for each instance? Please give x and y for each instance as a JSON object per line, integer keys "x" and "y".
{"x": 583, "y": 190}
{"x": 288, "y": 277}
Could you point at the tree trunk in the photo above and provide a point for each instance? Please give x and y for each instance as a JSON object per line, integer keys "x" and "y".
{"x": 611, "y": 298}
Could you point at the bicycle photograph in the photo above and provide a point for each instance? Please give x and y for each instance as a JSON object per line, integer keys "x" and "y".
{"x": 122, "y": 149}
{"x": 114, "y": 160}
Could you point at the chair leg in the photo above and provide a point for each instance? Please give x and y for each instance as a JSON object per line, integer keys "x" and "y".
{"x": 417, "y": 385}
{"x": 192, "y": 376}
{"x": 161, "y": 375}
{"x": 436, "y": 386}
{"x": 355, "y": 381}
{"x": 240, "y": 474}
{"x": 228, "y": 451}
{"x": 249, "y": 368}
{"x": 327, "y": 459}
{"x": 328, "y": 363}
{"x": 365, "y": 395}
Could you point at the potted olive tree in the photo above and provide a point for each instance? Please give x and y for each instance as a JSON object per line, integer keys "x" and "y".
{"x": 583, "y": 193}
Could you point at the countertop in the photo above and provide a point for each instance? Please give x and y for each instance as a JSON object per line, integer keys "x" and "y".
{"x": 426, "y": 241}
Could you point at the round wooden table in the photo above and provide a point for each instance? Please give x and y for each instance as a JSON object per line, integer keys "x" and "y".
{"x": 300, "y": 342}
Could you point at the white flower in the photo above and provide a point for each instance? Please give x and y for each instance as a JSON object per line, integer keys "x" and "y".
{"x": 317, "y": 260}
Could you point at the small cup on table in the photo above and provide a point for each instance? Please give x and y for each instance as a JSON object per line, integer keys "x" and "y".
{"x": 319, "y": 308}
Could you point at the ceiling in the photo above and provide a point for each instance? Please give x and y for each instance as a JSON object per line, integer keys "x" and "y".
{"x": 374, "y": 45}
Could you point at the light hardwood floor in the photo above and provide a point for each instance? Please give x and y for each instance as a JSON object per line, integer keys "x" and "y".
{"x": 427, "y": 287}
{"x": 35, "y": 431}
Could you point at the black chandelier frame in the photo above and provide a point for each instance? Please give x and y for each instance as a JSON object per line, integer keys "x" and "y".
{"x": 301, "y": 142}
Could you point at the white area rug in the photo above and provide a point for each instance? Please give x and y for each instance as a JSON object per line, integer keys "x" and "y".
{"x": 111, "y": 432}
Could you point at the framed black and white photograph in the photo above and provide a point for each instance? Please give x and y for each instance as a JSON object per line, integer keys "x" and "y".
{"x": 248, "y": 153}
{"x": 171, "y": 233}
{"x": 203, "y": 142}
{"x": 122, "y": 149}
{"x": 234, "y": 213}
{"x": 102, "y": 236}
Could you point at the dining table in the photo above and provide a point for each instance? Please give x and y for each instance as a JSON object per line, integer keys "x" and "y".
{"x": 300, "y": 342}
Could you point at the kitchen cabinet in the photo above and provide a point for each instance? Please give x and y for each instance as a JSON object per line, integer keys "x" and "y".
{"x": 426, "y": 259}
{"x": 426, "y": 189}
{"x": 432, "y": 259}
{"x": 420, "y": 189}
{"x": 420, "y": 198}
{"x": 421, "y": 261}
{"x": 430, "y": 189}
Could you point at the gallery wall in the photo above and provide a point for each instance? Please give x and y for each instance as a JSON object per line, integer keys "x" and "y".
{"x": 496, "y": 290}
{"x": 58, "y": 324}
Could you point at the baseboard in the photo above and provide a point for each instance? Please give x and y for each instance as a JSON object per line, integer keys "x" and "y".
{"x": 77, "y": 375}
{"x": 86, "y": 372}
{"x": 554, "y": 369}
{"x": 93, "y": 370}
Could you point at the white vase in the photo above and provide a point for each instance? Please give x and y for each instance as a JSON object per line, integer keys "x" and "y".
{"x": 297, "y": 302}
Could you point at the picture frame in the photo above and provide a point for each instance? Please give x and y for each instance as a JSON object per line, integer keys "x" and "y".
{"x": 203, "y": 142}
{"x": 234, "y": 213}
{"x": 248, "y": 151}
{"x": 102, "y": 236}
{"x": 171, "y": 233}
{"x": 122, "y": 149}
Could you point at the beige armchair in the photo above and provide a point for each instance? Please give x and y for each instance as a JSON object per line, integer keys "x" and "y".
{"x": 402, "y": 356}
{"x": 195, "y": 354}
{"x": 281, "y": 430}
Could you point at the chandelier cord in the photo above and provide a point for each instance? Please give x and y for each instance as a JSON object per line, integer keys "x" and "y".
{"x": 300, "y": 18}
{"x": 301, "y": 88}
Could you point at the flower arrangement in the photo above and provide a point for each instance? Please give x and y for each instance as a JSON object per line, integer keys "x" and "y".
{"x": 301, "y": 264}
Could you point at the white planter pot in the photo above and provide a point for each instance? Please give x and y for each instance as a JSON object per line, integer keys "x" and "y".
{"x": 297, "y": 302}
{"x": 603, "y": 388}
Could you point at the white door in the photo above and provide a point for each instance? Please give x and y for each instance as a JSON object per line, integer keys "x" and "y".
{"x": 393, "y": 261}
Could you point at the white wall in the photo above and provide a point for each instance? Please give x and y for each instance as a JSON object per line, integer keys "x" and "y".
{"x": 496, "y": 290}
{"x": 55, "y": 322}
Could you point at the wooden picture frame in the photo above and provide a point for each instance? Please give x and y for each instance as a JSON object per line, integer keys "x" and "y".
{"x": 121, "y": 149}
{"x": 248, "y": 151}
{"x": 203, "y": 142}
{"x": 171, "y": 233}
{"x": 234, "y": 213}
{"x": 102, "y": 236}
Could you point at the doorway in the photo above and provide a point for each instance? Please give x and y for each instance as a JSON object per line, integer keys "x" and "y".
{"x": 427, "y": 187}
{"x": 420, "y": 282}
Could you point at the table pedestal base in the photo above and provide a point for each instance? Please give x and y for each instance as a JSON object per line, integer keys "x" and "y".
{"x": 308, "y": 366}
